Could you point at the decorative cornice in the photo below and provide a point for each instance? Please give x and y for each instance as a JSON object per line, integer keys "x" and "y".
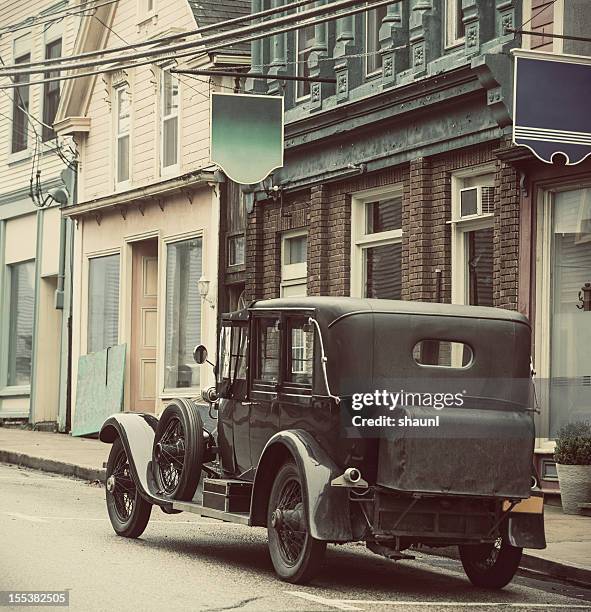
{"x": 70, "y": 126}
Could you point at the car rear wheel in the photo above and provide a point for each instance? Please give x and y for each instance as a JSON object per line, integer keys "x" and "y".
{"x": 128, "y": 511}
{"x": 295, "y": 554}
{"x": 178, "y": 450}
{"x": 491, "y": 565}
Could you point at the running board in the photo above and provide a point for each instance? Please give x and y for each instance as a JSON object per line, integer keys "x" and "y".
{"x": 241, "y": 518}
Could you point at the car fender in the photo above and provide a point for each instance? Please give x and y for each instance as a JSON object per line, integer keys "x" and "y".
{"x": 136, "y": 431}
{"x": 327, "y": 507}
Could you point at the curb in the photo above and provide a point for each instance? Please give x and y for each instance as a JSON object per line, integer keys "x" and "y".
{"x": 52, "y": 466}
{"x": 555, "y": 569}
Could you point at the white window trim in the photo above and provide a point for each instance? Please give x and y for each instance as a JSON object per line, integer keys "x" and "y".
{"x": 144, "y": 16}
{"x": 451, "y": 38}
{"x": 122, "y": 185}
{"x": 360, "y": 241}
{"x": 297, "y": 66}
{"x": 293, "y": 274}
{"x": 175, "y": 168}
{"x": 460, "y": 226}
{"x": 13, "y": 158}
{"x": 377, "y": 72}
{"x": 165, "y": 393}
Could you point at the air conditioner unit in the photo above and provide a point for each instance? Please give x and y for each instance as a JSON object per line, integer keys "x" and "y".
{"x": 475, "y": 201}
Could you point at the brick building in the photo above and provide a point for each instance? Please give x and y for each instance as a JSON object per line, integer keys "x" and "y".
{"x": 400, "y": 181}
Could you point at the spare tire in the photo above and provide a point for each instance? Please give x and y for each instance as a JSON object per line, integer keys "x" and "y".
{"x": 178, "y": 450}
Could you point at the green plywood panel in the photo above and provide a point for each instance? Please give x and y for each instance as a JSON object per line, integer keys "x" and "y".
{"x": 99, "y": 392}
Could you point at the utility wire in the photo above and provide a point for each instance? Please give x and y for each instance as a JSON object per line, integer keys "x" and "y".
{"x": 53, "y": 17}
{"x": 276, "y": 26}
{"x": 166, "y": 39}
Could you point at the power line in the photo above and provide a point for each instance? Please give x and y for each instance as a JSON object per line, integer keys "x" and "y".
{"x": 548, "y": 35}
{"x": 165, "y": 39}
{"x": 53, "y": 17}
{"x": 271, "y": 27}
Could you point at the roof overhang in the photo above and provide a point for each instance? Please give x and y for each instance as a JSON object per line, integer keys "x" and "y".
{"x": 70, "y": 126}
{"x": 155, "y": 192}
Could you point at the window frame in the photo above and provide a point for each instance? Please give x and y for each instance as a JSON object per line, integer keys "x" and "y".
{"x": 257, "y": 384}
{"x": 361, "y": 241}
{"x": 50, "y": 41}
{"x": 293, "y": 275}
{"x": 451, "y": 39}
{"x": 461, "y": 227}
{"x": 118, "y": 90}
{"x": 164, "y": 391}
{"x": 5, "y": 384}
{"x": 290, "y": 387}
{"x": 162, "y": 119}
{"x": 24, "y": 57}
{"x": 301, "y": 69}
{"x": 373, "y": 73}
{"x": 89, "y": 259}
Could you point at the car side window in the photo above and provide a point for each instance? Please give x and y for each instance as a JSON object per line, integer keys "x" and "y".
{"x": 300, "y": 366}
{"x": 268, "y": 350}
{"x": 232, "y": 360}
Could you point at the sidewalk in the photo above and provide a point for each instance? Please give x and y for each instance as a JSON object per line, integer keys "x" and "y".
{"x": 567, "y": 556}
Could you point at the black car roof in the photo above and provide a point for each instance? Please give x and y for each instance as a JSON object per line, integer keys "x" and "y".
{"x": 341, "y": 307}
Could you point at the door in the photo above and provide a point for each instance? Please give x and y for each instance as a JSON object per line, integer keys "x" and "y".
{"x": 568, "y": 325}
{"x": 264, "y": 383}
{"x": 144, "y": 325}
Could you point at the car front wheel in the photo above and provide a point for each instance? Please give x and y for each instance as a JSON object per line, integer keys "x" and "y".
{"x": 295, "y": 554}
{"x": 128, "y": 511}
{"x": 491, "y": 566}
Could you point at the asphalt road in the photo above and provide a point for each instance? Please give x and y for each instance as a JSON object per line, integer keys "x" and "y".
{"x": 55, "y": 535}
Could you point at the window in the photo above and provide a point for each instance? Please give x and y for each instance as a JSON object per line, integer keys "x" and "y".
{"x": 122, "y": 130}
{"x": 103, "y": 303}
{"x": 377, "y": 246}
{"x": 170, "y": 120}
{"x": 268, "y": 347}
{"x": 443, "y": 353}
{"x": 304, "y": 44}
{"x": 294, "y": 267}
{"x": 472, "y": 240}
{"x": 372, "y": 39}
{"x": 20, "y": 107}
{"x": 51, "y": 91}
{"x": 300, "y": 353}
{"x": 20, "y": 329}
{"x": 232, "y": 360}
{"x": 236, "y": 224}
{"x": 183, "y": 313}
{"x": 454, "y": 24}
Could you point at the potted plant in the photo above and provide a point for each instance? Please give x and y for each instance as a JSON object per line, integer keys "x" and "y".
{"x": 573, "y": 462}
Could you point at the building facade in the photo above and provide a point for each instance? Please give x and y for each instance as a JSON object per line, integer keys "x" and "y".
{"x": 148, "y": 212}
{"x": 37, "y": 176}
{"x": 401, "y": 181}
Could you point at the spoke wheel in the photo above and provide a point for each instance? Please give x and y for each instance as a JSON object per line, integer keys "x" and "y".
{"x": 491, "y": 565}
{"x": 178, "y": 450}
{"x": 128, "y": 511}
{"x": 295, "y": 554}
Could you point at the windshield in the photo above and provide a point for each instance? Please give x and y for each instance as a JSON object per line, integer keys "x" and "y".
{"x": 233, "y": 344}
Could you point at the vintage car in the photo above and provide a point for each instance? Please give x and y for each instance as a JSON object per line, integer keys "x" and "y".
{"x": 286, "y": 453}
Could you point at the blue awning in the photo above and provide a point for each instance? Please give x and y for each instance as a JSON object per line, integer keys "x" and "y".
{"x": 552, "y": 105}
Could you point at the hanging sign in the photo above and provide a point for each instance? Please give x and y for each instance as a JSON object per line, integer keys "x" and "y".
{"x": 552, "y": 98}
{"x": 246, "y": 135}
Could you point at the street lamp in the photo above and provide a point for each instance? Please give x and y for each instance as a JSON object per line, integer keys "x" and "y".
{"x": 203, "y": 285}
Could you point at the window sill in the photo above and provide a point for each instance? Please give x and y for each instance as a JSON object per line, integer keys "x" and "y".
{"x": 15, "y": 158}
{"x": 148, "y": 19}
{"x": 20, "y": 391}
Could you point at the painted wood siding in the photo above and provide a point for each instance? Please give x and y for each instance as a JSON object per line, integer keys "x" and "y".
{"x": 15, "y": 169}
{"x": 98, "y": 148}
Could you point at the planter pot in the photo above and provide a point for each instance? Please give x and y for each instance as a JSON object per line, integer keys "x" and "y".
{"x": 575, "y": 486}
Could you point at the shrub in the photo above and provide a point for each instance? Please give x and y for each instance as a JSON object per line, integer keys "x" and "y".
{"x": 573, "y": 444}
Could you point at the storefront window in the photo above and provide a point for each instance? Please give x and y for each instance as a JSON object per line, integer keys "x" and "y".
{"x": 570, "y": 342}
{"x": 20, "y": 331}
{"x": 183, "y": 313}
{"x": 103, "y": 303}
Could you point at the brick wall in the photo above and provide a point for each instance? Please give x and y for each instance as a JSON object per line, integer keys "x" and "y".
{"x": 426, "y": 245}
{"x": 542, "y": 20}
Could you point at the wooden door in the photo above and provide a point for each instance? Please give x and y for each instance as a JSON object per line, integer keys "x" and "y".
{"x": 144, "y": 326}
